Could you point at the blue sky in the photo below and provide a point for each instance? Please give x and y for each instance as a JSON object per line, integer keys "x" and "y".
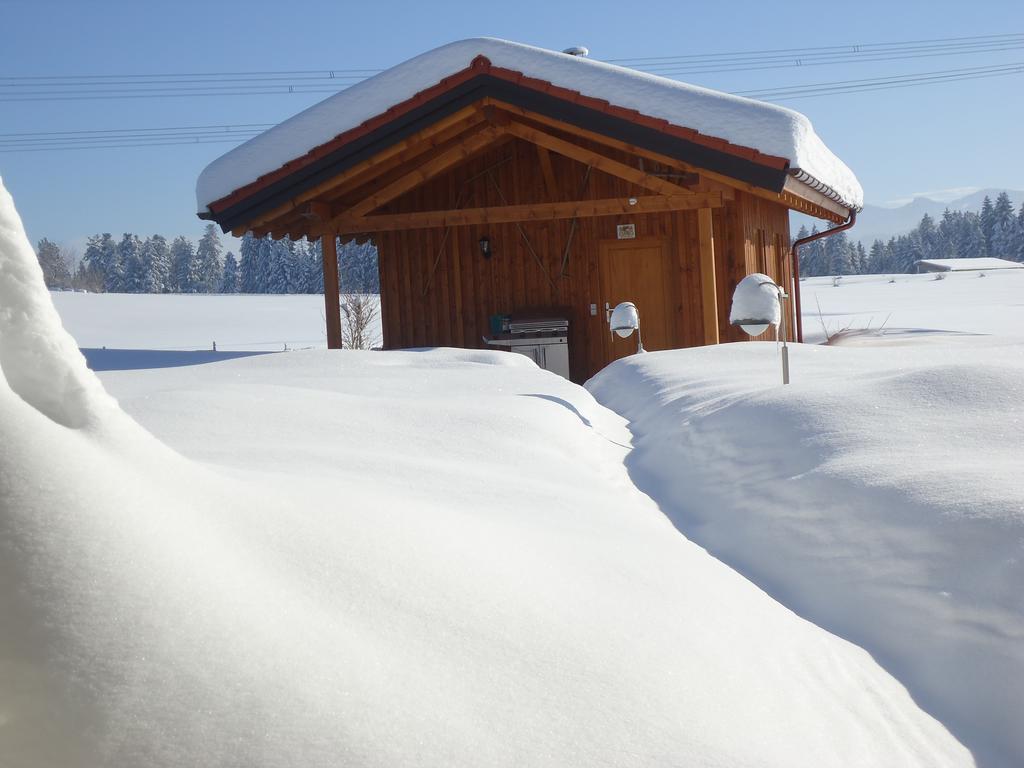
{"x": 900, "y": 142}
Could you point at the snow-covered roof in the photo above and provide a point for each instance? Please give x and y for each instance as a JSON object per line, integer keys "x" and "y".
{"x": 767, "y": 128}
{"x": 966, "y": 265}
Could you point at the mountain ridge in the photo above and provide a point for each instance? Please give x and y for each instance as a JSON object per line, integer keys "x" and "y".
{"x": 877, "y": 222}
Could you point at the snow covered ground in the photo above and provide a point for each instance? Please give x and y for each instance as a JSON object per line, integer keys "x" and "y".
{"x": 915, "y": 305}
{"x": 880, "y": 495}
{"x": 177, "y": 322}
{"x": 411, "y": 558}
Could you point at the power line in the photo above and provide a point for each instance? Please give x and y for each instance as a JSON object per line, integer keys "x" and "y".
{"x": 117, "y": 137}
{"x": 819, "y": 49}
{"x": 140, "y": 130}
{"x": 101, "y": 141}
{"x": 265, "y": 83}
{"x": 36, "y": 141}
{"x": 819, "y": 62}
{"x": 268, "y": 73}
{"x": 882, "y": 83}
{"x": 121, "y": 146}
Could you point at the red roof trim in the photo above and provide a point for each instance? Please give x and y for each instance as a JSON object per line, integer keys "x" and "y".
{"x": 482, "y": 65}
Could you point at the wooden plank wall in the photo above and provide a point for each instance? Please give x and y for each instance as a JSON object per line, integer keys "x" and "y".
{"x": 754, "y": 234}
{"x": 437, "y": 289}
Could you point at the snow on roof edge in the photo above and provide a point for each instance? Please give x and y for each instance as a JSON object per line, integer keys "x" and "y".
{"x": 972, "y": 263}
{"x": 769, "y": 128}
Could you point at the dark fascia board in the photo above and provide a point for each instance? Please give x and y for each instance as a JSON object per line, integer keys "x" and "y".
{"x": 474, "y": 90}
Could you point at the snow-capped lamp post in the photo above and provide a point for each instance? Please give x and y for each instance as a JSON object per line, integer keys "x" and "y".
{"x": 624, "y": 320}
{"x": 757, "y": 304}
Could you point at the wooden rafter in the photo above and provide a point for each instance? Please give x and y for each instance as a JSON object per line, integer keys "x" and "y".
{"x": 547, "y": 172}
{"x": 419, "y": 152}
{"x": 528, "y": 212}
{"x": 403, "y": 151}
{"x": 419, "y": 175}
{"x": 595, "y": 159}
{"x": 672, "y": 162}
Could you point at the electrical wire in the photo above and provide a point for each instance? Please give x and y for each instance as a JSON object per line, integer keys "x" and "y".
{"x": 120, "y": 146}
{"x": 882, "y": 83}
{"x": 806, "y": 51}
{"x": 121, "y": 137}
{"x": 194, "y": 85}
{"x": 263, "y": 83}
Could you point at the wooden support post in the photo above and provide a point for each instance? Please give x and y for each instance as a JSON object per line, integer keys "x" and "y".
{"x": 709, "y": 291}
{"x": 332, "y": 303}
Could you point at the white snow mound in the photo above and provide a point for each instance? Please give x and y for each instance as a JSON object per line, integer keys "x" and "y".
{"x": 879, "y": 495}
{"x": 422, "y": 558}
{"x": 39, "y": 361}
{"x": 772, "y": 129}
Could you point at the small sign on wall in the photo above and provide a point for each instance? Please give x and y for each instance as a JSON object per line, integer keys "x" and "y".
{"x": 625, "y": 231}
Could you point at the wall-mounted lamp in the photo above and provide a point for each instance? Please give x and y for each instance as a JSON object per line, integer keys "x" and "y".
{"x": 485, "y": 247}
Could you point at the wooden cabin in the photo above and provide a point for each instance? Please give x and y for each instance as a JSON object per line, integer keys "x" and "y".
{"x": 496, "y": 178}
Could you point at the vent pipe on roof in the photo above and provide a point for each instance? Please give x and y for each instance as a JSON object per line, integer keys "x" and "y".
{"x": 577, "y": 50}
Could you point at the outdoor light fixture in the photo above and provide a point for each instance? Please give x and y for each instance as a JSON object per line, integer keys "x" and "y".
{"x": 757, "y": 304}
{"x": 625, "y": 319}
{"x": 485, "y": 247}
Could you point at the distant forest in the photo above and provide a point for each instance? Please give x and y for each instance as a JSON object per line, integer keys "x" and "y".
{"x": 133, "y": 265}
{"x": 995, "y": 231}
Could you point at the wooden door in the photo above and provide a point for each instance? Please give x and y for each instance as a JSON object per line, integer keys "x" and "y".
{"x": 637, "y": 271}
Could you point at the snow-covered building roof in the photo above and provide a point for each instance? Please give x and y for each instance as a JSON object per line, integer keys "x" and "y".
{"x": 753, "y": 133}
{"x": 965, "y": 265}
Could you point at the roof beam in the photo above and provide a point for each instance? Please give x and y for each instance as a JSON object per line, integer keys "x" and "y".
{"x": 595, "y": 159}
{"x": 529, "y": 212}
{"x": 402, "y": 151}
{"x": 421, "y": 174}
{"x": 649, "y": 154}
{"x": 550, "y": 184}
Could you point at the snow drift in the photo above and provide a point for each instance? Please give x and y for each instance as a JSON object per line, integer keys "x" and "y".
{"x": 383, "y": 559}
{"x": 879, "y": 495}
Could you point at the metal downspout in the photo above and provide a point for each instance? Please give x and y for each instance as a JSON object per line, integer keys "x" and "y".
{"x": 795, "y": 252}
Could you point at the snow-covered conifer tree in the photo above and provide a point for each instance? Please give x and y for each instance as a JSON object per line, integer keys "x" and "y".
{"x": 861, "y": 259}
{"x": 55, "y": 267}
{"x": 210, "y": 268}
{"x": 315, "y": 267}
{"x": 247, "y": 265}
{"x": 988, "y": 223}
{"x": 876, "y": 258}
{"x": 129, "y": 256}
{"x": 156, "y": 265}
{"x": 184, "y": 266}
{"x": 229, "y": 281}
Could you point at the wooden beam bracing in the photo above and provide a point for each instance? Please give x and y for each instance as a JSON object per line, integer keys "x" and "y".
{"x": 416, "y": 152}
{"x": 401, "y": 151}
{"x": 422, "y": 173}
{"x": 529, "y": 212}
{"x": 547, "y": 172}
{"x": 595, "y": 159}
{"x": 632, "y": 149}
